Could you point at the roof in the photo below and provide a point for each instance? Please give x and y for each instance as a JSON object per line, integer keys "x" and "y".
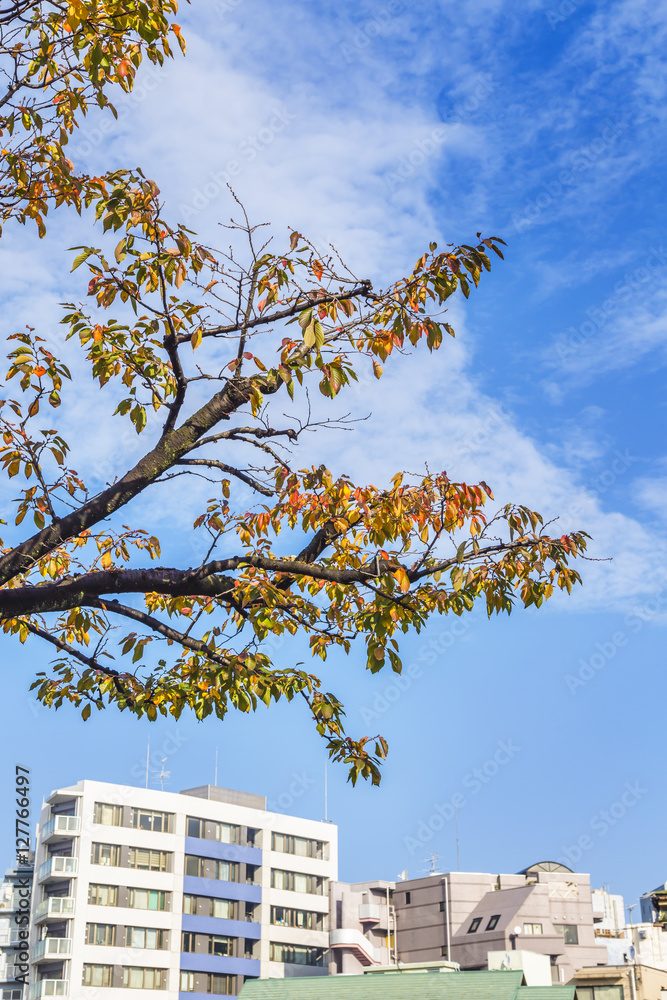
{"x": 409, "y": 986}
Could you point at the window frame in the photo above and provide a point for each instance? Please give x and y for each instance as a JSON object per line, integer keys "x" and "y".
{"x": 163, "y": 858}
{"x": 117, "y": 811}
{"x": 165, "y": 819}
{"x": 113, "y": 889}
{"x": 96, "y": 849}
{"x": 112, "y": 928}
{"x": 144, "y": 970}
{"x": 474, "y": 925}
{"x": 131, "y": 899}
{"x": 107, "y": 973}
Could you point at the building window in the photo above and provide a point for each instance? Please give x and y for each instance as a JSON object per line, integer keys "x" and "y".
{"x": 97, "y": 975}
{"x": 570, "y": 933}
{"x": 188, "y": 941}
{"x": 442, "y": 906}
{"x": 600, "y": 992}
{"x": 303, "y": 847}
{"x": 206, "y": 906}
{"x": 147, "y": 899}
{"x": 144, "y": 979}
{"x": 103, "y": 895}
{"x": 218, "y": 945}
{"x": 145, "y": 937}
{"x": 296, "y": 954}
{"x": 443, "y": 950}
{"x": 148, "y": 861}
{"x": 105, "y": 854}
{"x": 284, "y": 916}
{"x": 474, "y": 925}
{"x": 493, "y": 922}
{"x": 223, "y": 871}
{"x": 101, "y": 934}
{"x": 220, "y": 984}
{"x": 187, "y": 983}
{"x": 226, "y": 833}
{"x": 532, "y": 928}
{"x": 408, "y": 897}
{"x": 108, "y": 815}
{"x": 296, "y": 882}
{"x": 150, "y": 819}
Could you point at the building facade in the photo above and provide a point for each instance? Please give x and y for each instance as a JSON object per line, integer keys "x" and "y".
{"x": 466, "y": 917}
{"x": 191, "y": 892}
{"x": 15, "y": 895}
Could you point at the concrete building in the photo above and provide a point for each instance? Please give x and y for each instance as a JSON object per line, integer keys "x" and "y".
{"x": 545, "y": 909}
{"x": 621, "y": 982}
{"x": 15, "y": 892}
{"x": 362, "y": 922}
{"x": 191, "y": 892}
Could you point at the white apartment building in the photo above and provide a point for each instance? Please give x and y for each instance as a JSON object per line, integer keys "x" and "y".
{"x": 190, "y": 892}
{"x": 14, "y": 914}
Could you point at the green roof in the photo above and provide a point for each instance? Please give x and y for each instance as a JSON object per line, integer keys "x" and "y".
{"x": 496, "y": 985}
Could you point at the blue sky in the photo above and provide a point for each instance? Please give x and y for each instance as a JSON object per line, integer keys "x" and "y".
{"x": 379, "y": 127}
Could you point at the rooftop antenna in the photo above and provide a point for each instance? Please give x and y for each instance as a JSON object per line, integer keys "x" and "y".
{"x": 215, "y": 779}
{"x": 404, "y": 874}
{"x": 458, "y": 855}
{"x": 148, "y": 750}
{"x": 326, "y": 796}
{"x": 432, "y": 860}
{"x": 163, "y": 775}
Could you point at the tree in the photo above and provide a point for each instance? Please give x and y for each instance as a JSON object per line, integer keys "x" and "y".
{"x": 205, "y": 344}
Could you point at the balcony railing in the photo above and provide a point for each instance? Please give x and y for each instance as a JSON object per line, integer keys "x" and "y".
{"x": 58, "y": 866}
{"x": 50, "y": 946}
{"x": 54, "y": 906}
{"x": 9, "y": 937}
{"x": 61, "y": 826}
{"x": 49, "y": 988}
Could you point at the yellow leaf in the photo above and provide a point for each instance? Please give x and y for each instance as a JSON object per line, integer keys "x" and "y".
{"x": 196, "y": 339}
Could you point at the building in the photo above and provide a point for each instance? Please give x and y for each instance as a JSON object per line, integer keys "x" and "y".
{"x": 409, "y": 983}
{"x": 648, "y": 904}
{"x": 15, "y": 894}
{"x": 621, "y": 982}
{"x": 191, "y": 892}
{"x": 465, "y": 917}
{"x": 362, "y": 922}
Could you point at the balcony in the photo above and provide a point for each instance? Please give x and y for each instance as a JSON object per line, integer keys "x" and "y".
{"x": 61, "y": 826}
{"x": 58, "y": 866}
{"x": 55, "y": 906}
{"x": 369, "y": 913}
{"x": 49, "y": 988}
{"x": 45, "y": 949}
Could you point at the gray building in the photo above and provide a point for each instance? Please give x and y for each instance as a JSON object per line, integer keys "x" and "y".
{"x": 466, "y": 916}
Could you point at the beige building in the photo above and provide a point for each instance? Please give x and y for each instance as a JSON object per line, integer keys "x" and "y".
{"x": 464, "y": 917}
{"x": 621, "y": 982}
